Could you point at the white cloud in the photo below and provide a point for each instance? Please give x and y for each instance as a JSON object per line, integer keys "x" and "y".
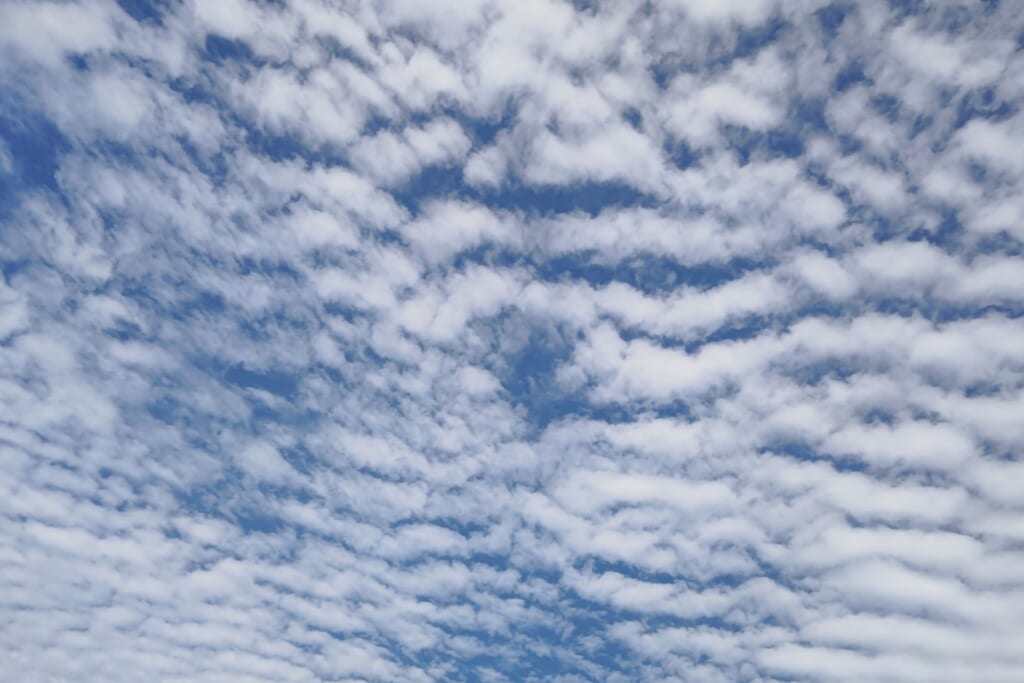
{"x": 391, "y": 158}
{"x": 263, "y": 462}
{"x": 50, "y": 30}
{"x": 728, "y": 10}
{"x": 486, "y": 167}
{"x": 612, "y": 154}
{"x": 510, "y": 341}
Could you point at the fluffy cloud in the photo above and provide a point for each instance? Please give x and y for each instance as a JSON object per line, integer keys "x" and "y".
{"x": 511, "y": 341}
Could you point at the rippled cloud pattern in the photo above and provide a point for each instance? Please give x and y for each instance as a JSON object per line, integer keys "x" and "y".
{"x": 511, "y": 340}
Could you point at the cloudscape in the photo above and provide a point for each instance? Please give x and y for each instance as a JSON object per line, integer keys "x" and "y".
{"x": 511, "y": 341}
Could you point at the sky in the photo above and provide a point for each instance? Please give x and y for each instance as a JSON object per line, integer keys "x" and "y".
{"x": 511, "y": 341}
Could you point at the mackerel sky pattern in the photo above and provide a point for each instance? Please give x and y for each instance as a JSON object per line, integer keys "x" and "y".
{"x": 511, "y": 341}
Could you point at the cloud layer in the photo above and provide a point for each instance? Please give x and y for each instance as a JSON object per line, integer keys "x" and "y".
{"x": 511, "y": 341}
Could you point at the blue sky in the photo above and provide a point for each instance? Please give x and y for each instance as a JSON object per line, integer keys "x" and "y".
{"x": 511, "y": 340}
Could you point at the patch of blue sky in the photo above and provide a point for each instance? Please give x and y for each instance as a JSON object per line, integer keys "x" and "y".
{"x": 145, "y": 10}
{"x": 650, "y": 273}
{"x": 32, "y": 147}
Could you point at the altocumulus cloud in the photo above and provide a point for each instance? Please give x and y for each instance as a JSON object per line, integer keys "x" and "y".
{"x": 511, "y": 340}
